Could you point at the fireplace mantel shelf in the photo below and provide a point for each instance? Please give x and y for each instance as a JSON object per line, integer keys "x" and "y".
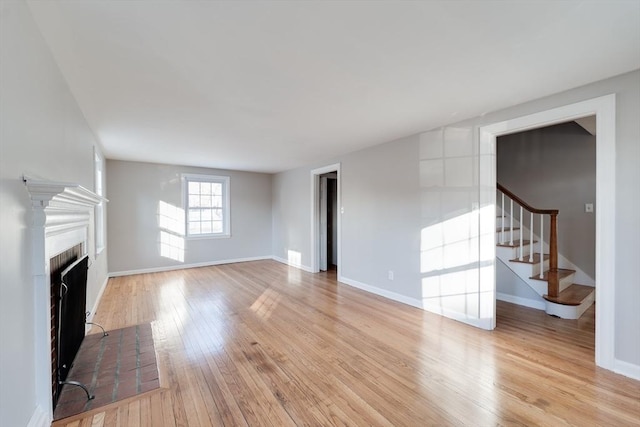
{"x": 45, "y": 193}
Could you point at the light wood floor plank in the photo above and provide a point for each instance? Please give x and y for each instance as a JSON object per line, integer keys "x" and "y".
{"x": 263, "y": 344}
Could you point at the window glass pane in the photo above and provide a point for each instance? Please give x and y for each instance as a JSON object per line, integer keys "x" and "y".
{"x": 217, "y": 227}
{"x": 194, "y": 201}
{"x": 205, "y": 214}
{"x": 194, "y": 215}
{"x": 194, "y": 228}
{"x": 217, "y": 214}
{"x": 216, "y": 189}
{"x": 217, "y": 202}
{"x": 207, "y": 227}
{"x": 194, "y": 187}
{"x": 205, "y": 201}
{"x": 205, "y": 187}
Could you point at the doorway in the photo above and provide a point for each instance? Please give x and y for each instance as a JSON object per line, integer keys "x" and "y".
{"x": 604, "y": 109}
{"x": 325, "y": 219}
{"x": 328, "y": 221}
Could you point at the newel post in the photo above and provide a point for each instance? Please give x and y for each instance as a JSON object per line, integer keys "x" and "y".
{"x": 554, "y": 285}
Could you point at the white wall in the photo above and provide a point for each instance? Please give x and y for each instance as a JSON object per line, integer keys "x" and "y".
{"x": 555, "y": 168}
{"x": 137, "y": 192}
{"x": 382, "y": 222}
{"x": 43, "y": 134}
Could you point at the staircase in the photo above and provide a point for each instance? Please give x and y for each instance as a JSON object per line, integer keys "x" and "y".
{"x": 535, "y": 260}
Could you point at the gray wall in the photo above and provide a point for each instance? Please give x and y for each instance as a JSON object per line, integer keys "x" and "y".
{"x": 43, "y": 134}
{"x": 136, "y": 192}
{"x": 377, "y": 186}
{"x": 511, "y": 285}
{"x": 381, "y": 201}
{"x": 381, "y": 196}
{"x": 555, "y": 168}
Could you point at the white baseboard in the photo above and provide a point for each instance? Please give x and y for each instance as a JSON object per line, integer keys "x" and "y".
{"x": 185, "y": 266}
{"x": 381, "y": 292}
{"x": 39, "y": 418}
{"x": 538, "y": 305}
{"x": 300, "y": 266}
{"x": 627, "y": 369}
{"x": 482, "y": 323}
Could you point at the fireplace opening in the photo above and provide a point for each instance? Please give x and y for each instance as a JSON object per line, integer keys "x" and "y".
{"x": 57, "y": 265}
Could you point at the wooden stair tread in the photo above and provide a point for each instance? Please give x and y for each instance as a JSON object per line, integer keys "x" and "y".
{"x": 525, "y": 259}
{"x": 562, "y": 273}
{"x": 516, "y": 244}
{"x": 506, "y": 229}
{"x": 573, "y": 295}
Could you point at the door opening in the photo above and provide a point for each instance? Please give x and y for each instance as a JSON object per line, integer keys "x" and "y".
{"x": 328, "y": 221}
{"x": 605, "y": 112}
{"x": 325, "y": 219}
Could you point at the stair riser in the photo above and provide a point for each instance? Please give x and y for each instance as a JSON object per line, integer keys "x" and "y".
{"x": 566, "y": 282}
{"x": 507, "y": 222}
{"x": 509, "y": 253}
{"x": 507, "y": 236}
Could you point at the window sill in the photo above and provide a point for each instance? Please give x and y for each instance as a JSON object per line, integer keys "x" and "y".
{"x": 208, "y": 236}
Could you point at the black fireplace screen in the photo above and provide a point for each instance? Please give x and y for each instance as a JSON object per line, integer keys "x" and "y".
{"x": 72, "y": 314}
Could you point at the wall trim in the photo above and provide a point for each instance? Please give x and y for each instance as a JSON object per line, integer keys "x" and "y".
{"x": 414, "y": 302}
{"x": 526, "y": 302}
{"x": 185, "y": 266}
{"x": 627, "y": 369}
{"x": 39, "y": 418}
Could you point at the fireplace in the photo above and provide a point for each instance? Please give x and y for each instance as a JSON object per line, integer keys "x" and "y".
{"x": 62, "y": 218}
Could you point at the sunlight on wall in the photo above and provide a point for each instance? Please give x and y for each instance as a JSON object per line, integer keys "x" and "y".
{"x": 451, "y": 264}
{"x": 171, "y": 246}
{"x": 171, "y": 218}
{"x": 458, "y": 225}
{"x": 294, "y": 259}
{"x": 171, "y": 223}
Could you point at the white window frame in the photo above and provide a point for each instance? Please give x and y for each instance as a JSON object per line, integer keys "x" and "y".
{"x": 98, "y": 185}
{"x": 226, "y": 205}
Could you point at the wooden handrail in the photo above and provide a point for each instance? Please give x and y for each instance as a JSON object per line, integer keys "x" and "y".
{"x": 525, "y": 204}
{"x": 553, "y": 287}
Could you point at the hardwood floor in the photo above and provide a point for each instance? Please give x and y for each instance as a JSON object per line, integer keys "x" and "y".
{"x": 263, "y": 344}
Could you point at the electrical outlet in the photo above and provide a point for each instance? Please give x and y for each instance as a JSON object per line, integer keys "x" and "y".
{"x": 588, "y": 207}
{"x": 390, "y": 274}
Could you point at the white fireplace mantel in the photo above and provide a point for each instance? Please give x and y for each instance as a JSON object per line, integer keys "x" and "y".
{"x": 59, "y": 194}
{"x": 62, "y": 216}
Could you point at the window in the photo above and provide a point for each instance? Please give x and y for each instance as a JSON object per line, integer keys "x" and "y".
{"x": 206, "y": 205}
{"x": 99, "y": 209}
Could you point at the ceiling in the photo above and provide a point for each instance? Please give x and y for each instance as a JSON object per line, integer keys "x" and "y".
{"x": 272, "y": 85}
